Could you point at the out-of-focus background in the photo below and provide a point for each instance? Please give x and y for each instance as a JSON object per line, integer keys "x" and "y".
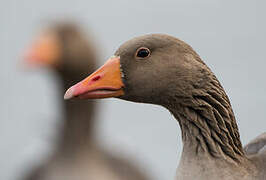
{"x": 229, "y": 35}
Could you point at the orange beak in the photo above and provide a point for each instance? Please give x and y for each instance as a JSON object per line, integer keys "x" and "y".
{"x": 44, "y": 51}
{"x": 104, "y": 83}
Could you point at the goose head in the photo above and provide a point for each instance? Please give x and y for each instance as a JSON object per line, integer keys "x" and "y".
{"x": 149, "y": 69}
{"x": 64, "y": 48}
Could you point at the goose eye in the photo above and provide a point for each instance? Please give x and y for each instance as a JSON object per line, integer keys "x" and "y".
{"x": 143, "y": 52}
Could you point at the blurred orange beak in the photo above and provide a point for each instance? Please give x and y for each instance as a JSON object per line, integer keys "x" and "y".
{"x": 104, "y": 83}
{"x": 44, "y": 51}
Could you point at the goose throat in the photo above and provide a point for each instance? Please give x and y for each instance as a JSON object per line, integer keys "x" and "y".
{"x": 208, "y": 123}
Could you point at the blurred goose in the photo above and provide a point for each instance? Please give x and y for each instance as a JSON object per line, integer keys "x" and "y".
{"x": 163, "y": 70}
{"x": 64, "y": 48}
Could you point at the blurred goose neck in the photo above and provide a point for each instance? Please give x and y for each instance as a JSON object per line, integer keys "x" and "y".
{"x": 77, "y": 130}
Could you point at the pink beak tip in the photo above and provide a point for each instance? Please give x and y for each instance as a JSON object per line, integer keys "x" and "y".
{"x": 69, "y": 94}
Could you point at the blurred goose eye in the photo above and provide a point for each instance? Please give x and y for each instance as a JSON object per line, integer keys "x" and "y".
{"x": 143, "y": 52}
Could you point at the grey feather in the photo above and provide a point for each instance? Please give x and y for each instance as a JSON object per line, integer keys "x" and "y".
{"x": 257, "y": 145}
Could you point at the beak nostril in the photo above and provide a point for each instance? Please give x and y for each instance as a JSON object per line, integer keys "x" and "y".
{"x": 96, "y": 78}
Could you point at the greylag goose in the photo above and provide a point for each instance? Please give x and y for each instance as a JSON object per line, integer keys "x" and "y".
{"x": 64, "y": 48}
{"x": 163, "y": 70}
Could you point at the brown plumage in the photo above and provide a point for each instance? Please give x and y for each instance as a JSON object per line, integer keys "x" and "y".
{"x": 163, "y": 70}
{"x": 78, "y": 155}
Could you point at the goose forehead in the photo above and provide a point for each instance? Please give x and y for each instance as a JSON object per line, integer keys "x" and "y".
{"x": 152, "y": 41}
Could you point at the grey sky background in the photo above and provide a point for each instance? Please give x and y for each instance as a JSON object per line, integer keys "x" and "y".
{"x": 229, "y": 36}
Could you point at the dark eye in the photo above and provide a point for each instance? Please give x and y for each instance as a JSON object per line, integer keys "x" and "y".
{"x": 143, "y": 52}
